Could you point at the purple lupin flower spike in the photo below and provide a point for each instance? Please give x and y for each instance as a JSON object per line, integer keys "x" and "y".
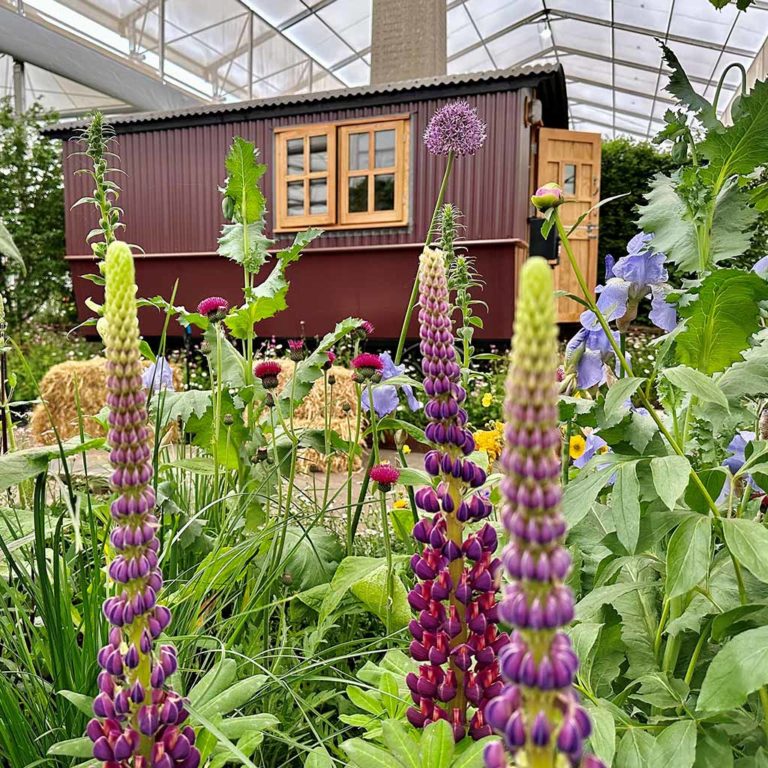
{"x": 455, "y": 639}
{"x": 139, "y": 719}
{"x": 538, "y": 712}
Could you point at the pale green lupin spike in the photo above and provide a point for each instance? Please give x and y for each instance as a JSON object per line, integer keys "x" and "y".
{"x": 535, "y": 322}
{"x": 122, "y": 325}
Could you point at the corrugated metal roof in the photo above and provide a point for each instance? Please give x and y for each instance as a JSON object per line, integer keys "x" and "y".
{"x": 64, "y": 129}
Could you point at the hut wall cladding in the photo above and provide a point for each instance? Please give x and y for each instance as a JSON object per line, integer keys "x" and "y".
{"x": 172, "y": 210}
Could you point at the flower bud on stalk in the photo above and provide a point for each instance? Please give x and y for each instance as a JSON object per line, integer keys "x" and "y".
{"x": 538, "y": 713}
{"x": 454, "y": 636}
{"x": 139, "y": 719}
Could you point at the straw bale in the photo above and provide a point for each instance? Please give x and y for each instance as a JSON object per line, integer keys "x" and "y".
{"x": 57, "y": 389}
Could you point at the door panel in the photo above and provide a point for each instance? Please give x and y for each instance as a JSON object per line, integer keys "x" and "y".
{"x": 572, "y": 159}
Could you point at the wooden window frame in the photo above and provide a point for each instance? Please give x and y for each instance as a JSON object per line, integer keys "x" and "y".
{"x": 338, "y": 215}
{"x": 282, "y": 136}
{"x": 372, "y": 218}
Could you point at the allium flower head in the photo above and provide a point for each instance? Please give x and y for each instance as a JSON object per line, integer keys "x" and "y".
{"x": 538, "y": 712}
{"x": 214, "y": 307}
{"x": 385, "y": 397}
{"x": 367, "y": 364}
{"x": 158, "y": 375}
{"x": 548, "y": 196}
{"x": 455, "y": 128}
{"x": 267, "y": 372}
{"x": 139, "y": 717}
{"x": 385, "y": 475}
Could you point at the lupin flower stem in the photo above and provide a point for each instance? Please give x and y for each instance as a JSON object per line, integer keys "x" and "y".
{"x": 454, "y": 637}
{"x": 538, "y": 713}
{"x": 139, "y": 719}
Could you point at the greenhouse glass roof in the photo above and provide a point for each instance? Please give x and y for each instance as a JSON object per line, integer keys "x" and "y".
{"x": 234, "y": 50}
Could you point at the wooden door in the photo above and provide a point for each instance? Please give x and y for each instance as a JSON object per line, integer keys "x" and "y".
{"x": 572, "y": 159}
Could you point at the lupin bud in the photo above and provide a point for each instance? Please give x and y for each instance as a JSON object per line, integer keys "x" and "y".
{"x": 453, "y": 570}
{"x": 134, "y": 694}
{"x": 538, "y": 712}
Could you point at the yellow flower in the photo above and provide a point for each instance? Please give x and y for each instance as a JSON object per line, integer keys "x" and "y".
{"x": 491, "y": 441}
{"x": 406, "y": 449}
{"x": 401, "y": 504}
{"x": 577, "y": 446}
{"x": 487, "y": 400}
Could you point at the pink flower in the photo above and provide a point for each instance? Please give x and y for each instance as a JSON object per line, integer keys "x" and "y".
{"x": 367, "y": 327}
{"x": 296, "y": 349}
{"x": 548, "y": 196}
{"x": 385, "y": 475}
{"x": 268, "y": 371}
{"x": 214, "y": 307}
{"x": 367, "y": 360}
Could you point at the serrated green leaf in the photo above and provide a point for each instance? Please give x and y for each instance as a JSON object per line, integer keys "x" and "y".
{"x": 680, "y": 87}
{"x": 688, "y": 555}
{"x": 740, "y": 668}
{"x": 722, "y": 320}
{"x": 244, "y": 174}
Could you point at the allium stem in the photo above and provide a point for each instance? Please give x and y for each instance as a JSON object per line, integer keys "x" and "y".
{"x": 139, "y": 718}
{"x": 415, "y": 288}
{"x": 538, "y": 712}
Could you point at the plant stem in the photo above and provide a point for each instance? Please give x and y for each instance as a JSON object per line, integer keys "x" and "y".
{"x": 415, "y": 288}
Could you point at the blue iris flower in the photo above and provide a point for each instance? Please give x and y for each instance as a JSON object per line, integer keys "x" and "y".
{"x": 586, "y": 354}
{"x": 385, "y": 396}
{"x": 629, "y": 280}
{"x": 158, "y": 375}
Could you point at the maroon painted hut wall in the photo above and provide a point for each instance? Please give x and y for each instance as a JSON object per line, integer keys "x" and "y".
{"x": 172, "y": 210}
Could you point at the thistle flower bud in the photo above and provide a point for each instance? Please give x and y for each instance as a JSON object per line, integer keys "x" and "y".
{"x": 538, "y": 712}
{"x": 134, "y": 699}
{"x": 455, "y": 639}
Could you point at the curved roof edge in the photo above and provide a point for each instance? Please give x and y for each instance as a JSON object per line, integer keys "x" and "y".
{"x": 548, "y": 79}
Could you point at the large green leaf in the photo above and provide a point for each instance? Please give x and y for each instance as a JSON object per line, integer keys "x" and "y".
{"x": 615, "y": 406}
{"x": 216, "y": 680}
{"x": 8, "y": 248}
{"x": 401, "y": 743}
{"x": 739, "y": 668}
{"x": 743, "y": 146}
{"x": 312, "y": 557}
{"x": 18, "y": 466}
{"x": 636, "y": 750}
{"x": 626, "y": 505}
{"x": 696, "y": 383}
{"x": 688, "y": 555}
{"x": 244, "y": 175}
{"x": 747, "y": 541}
{"x": 673, "y": 224}
{"x": 233, "y": 697}
{"x": 676, "y": 745}
{"x": 365, "y": 755}
{"x": 603, "y": 737}
{"x": 680, "y": 87}
{"x": 437, "y": 745}
{"x": 748, "y": 377}
{"x": 580, "y": 494}
{"x": 713, "y": 750}
{"x": 720, "y": 323}
{"x": 670, "y": 477}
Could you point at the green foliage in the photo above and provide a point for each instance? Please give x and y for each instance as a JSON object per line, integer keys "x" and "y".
{"x": 32, "y": 211}
{"x": 626, "y": 167}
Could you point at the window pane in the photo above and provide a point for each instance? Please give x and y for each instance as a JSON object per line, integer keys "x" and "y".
{"x": 318, "y": 195}
{"x": 569, "y": 182}
{"x": 358, "y": 194}
{"x": 385, "y": 148}
{"x": 295, "y": 198}
{"x": 318, "y": 153}
{"x": 295, "y": 152}
{"x": 358, "y": 151}
{"x": 384, "y": 192}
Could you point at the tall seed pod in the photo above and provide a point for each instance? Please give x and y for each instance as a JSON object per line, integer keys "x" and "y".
{"x": 538, "y": 713}
{"x": 455, "y": 639}
{"x": 139, "y": 719}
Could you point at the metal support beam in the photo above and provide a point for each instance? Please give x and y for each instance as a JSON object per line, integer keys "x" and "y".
{"x": 161, "y": 41}
{"x": 498, "y": 34}
{"x": 619, "y": 89}
{"x": 19, "y": 90}
{"x": 250, "y": 56}
{"x": 53, "y": 49}
{"x": 672, "y": 38}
